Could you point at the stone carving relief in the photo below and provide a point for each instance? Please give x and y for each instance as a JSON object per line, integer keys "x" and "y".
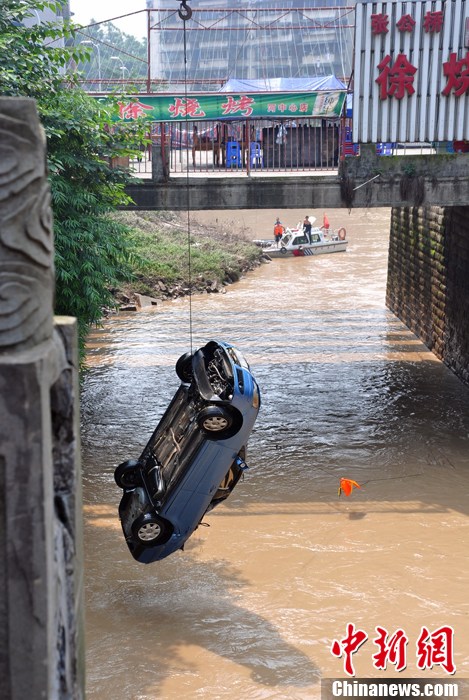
{"x": 26, "y": 235}
{"x": 28, "y": 228}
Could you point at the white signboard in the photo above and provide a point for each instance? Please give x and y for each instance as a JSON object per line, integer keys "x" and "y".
{"x": 411, "y": 72}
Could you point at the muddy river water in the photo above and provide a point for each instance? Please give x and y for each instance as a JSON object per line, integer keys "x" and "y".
{"x": 252, "y": 606}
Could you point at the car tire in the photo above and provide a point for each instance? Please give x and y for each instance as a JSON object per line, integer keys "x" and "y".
{"x": 127, "y": 475}
{"x": 150, "y": 529}
{"x": 184, "y": 368}
{"x": 218, "y": 422}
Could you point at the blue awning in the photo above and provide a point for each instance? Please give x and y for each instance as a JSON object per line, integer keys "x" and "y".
{"x": 324, "y": 82}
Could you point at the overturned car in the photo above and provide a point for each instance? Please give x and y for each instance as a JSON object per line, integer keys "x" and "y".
{"x": 195, "y": 456}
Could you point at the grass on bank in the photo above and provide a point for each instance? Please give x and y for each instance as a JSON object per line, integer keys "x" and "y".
{"x": 160, "y": 243}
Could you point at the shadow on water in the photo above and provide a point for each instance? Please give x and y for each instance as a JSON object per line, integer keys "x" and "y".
{"x": 158, "y": 612}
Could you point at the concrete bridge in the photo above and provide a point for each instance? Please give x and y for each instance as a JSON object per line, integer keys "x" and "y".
{"x": 368, "y": 180}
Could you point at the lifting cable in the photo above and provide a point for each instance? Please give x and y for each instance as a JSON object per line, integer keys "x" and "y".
{"x": 185, "y": 13}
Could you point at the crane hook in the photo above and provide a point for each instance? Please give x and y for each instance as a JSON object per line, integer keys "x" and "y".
{"x": 185, "y": 11}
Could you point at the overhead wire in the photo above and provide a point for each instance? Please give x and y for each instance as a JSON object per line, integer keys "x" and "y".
{"x": 185, "y": 13}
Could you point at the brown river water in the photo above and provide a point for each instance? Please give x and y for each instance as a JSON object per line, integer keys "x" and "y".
{"x": 252, "y": 606}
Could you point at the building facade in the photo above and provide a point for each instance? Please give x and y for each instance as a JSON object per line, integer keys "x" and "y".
{"x": 260, "y": 39}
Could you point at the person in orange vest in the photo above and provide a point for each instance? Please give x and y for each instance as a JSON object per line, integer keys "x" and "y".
{"x": 279, "y": 230}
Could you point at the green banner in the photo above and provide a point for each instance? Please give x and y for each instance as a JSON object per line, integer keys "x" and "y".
{"x": 197, "y": 107}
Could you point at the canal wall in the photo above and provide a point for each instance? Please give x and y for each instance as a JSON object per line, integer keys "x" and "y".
{"x": 428, "y": 279}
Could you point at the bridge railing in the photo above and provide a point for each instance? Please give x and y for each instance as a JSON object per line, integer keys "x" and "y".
{"x": 290, "y": 145}
{"x": 259, "y": 146}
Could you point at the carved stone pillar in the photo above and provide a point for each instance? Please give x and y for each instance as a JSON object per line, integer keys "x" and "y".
{"x": 40, "y": 498}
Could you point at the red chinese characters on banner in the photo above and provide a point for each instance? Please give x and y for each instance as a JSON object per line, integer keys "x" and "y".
{"x": 243, "y": 105}
{"x": 348, "y": 646}
{"x": 392, "y": 650}
{"x": 457, "y": 75}
{"x": 395, "y": 80}
{"x": 436, "y": 649}
{"x": 132, "y": 110}
{"x": 186, "y": 108}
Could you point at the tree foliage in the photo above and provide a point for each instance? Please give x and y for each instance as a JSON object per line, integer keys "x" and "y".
{"x": 32, "y": 58}
{"x": 115, "y": 55}
{"x": 92, "y": 250}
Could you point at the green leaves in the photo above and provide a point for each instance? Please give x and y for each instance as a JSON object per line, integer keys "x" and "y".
{"x": 32, "y": 58}
{"x": 92, "y": 250}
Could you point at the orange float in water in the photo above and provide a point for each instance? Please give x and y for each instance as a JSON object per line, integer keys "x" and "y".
{"x": 346, "y": 485}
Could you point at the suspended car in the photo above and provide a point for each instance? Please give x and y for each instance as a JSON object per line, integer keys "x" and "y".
{"x": 196, "y": 454}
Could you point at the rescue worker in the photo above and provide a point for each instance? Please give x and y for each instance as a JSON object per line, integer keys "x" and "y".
{"x": 279, "y": 230}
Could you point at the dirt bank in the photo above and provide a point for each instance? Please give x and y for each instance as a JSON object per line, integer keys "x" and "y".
{"x": 176, "y": 255}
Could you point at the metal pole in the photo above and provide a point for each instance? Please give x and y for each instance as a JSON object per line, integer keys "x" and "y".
{"x": 99, "y": 67}
{"x": 148, "y": 52}
{"x": 122, "y": 66}
{"x": 93, "y": 43}
{"x": 248, "y": 148}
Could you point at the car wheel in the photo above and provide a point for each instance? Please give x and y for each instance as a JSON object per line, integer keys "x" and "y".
{"x": 149, "y": 530}
{"x": 217, "y": 422}
{"x": 184, "y": 368}
{"x": 127, "y": 475}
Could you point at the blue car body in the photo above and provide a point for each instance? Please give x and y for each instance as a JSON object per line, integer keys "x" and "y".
{"x": 195, "y": 456}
